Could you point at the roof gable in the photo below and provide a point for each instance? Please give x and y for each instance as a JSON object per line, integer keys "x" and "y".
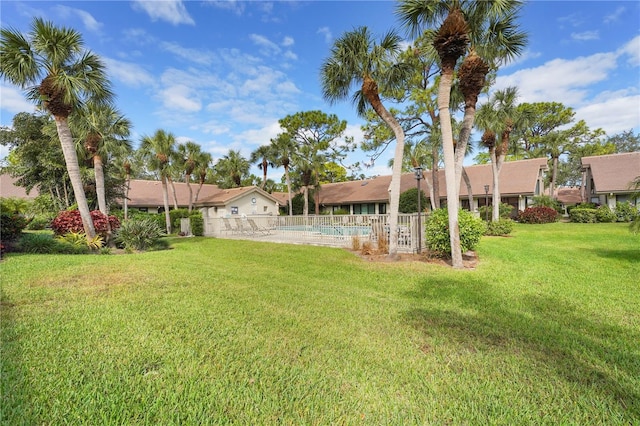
{"x": 613, "y": 172}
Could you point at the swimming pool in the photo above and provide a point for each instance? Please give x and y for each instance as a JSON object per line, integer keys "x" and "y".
{"x": 329, "y": 229}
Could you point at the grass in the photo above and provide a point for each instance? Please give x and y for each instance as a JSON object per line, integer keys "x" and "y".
{"x": 544, "y": 331}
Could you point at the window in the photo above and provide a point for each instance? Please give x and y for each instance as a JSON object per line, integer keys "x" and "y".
{"x": 143, "y": 209}
{"x": 234, "y": 209}
{"x": 382, "y": 208}
{"x": 364, "y": 208}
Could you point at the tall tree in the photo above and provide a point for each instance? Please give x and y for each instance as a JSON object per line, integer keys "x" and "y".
{"x": 189, "y": 154}
{"x": 103, "y": 131}
{"x": 157, "y": 151}
{"x": 488, "y": 28}
{"x": 263, "y": 157}
{"x": 356, "y": 59}
{"x": 319, "y": 139}
{"x": 284, "y": 148}
{"x": 202, "y": 169}
{"x": 497, "y": 118}
{"x": 231, "y": 169}
{"x": 59, "y": 77}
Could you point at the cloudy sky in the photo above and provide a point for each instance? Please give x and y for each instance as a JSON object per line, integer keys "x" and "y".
{"x": 223, "y": 73}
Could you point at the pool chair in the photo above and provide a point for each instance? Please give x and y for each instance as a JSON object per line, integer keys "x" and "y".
{"x": 242, "y": 227}
{"x": 258, "y": 229}
{"x": 228, "y": 227}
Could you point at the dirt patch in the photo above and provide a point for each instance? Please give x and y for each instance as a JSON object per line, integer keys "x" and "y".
{"x": 469, "y": 259}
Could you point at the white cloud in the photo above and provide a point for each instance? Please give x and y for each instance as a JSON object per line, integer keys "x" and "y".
{"x": 326, "y": 32}
{"x": 235, "y": 6}
{"x": 180, "y": 97}
{"x": 586, "y": 36}
{"x": 87, "y": 19}
{"x": 288, "y": 41}
{"x": 267, "y": 47}
{"x": 560, "y": 79}
{"x": 202, "y": 57}
{"x": 138, "y": 36}
{"x": 13, "y": 101}
{"x": 632, "y": 48}
{"x": 172, "y": 11}
{"x": 128, "y": 73}
{"x": 523, "y": 57}
{"x": 617, "y": 113}
{"x": 613, "y": 17}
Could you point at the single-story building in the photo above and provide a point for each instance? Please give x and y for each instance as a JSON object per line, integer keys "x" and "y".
{"x": 9, "y": 189}
{"x": 607, "y": 179}
{"x": 146, "y": 195}
{"x": 520, "y": 181}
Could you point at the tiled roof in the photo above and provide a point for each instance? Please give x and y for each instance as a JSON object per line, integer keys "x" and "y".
{"x": 614, "y": 172}
{"x": 224, "y": 196}
{"x": 9, "y": 189}
{"x": 516, "y": 178}
{"x": 569, "y": 195}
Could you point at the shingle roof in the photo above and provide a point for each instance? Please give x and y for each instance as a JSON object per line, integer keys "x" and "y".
{"x": 569, "y": 195}
{"x": 8, "y": 188}
{"x": 516, "y": 178}
{"x": 148, "y": 193}
{"x": 614, "y": 172}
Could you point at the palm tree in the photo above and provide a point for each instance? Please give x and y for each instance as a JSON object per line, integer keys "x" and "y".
{"x": 357, "y": 59}
{"x": 158, "y": 151}
{"x": 189, "y": 155}
{"x": 263, "y": 156}
{"x": 284, "y": 149}
{"x": 498, "y": 116}
{"x": 103, "y": 131}
{"x": 479, "y": 23}
{"x": 59, "y": 77}
{"x": 203, "y": 162}
{"x": 232, "y": 167}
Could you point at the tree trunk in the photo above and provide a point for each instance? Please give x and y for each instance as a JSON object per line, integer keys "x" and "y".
{"x": 173, "y": 191}
{"x": 435, "y": 176}
{"x": 126, "y": 196}
{"x": 305, "y": 210}
{"x": 463, "y": 140}
{"x": 165, "y": 199}
{"x": 430, "y": 189}
{"x": 98, "y": 171}
{"x": 188, "y": 180}
{"x": 467, "y": 182}
{"x": 286, "y": 174}
{"x": 444, "y": 96}
{"x": 73, "y": 169}
{"x": 554, "y": 176}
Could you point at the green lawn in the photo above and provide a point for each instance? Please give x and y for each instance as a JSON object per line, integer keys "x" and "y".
{"x": 545, "y": 331}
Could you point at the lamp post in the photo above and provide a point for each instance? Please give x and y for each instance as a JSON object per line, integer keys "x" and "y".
{"x": 418, "y": 178}
{"x": 486, "y": 203}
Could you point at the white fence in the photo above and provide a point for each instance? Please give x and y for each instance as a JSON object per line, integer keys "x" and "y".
{"x": 336, "y": 230}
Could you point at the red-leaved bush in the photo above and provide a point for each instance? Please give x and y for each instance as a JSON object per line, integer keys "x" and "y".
{"x": 540, "y": 214}
{"x": 71, "y": 221}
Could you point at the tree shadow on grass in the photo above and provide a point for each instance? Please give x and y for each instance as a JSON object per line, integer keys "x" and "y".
{"x": 593, "y": 354}
{"x": 631, "y": 256}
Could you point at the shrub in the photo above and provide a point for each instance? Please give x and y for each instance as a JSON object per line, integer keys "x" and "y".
{"x": 437, "y": 231}
{"x": 46, "y": 244}
{"x": 138, "y": 234}
{"x": 501, "y": 228}
{"x": 39, "y": 222}
{"x": 11, "y": 225}
{"x": 504, "y": 211}
{"x": 79, "y": 239}
{"x": 71, "y": 221}
{"x": 605, "y": 215}
{"x": 581, "y": 206}
{"x": 625, "y": 212}
{"x": 176, "y": 215}
{"x": 409, "y": 201}
{"x": 547, "y": 201}
{"x": 583, "y": 215}
{"x": 340, "y": 212}
{"x": 538, "y": 215}
{"x": 197, "y": 224}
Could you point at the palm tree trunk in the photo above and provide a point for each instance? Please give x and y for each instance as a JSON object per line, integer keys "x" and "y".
{"x": 554, "y": 176}
{"x": 467, "y": 182}
{"x": 463, "y": 139}
{"x": 188, "y": 180}
{"x": 165, "y": 199}
{"x": 126, "y": 196}
{"x": 430, "y": 189}
{"x": 173, "y": 191}
{"x": 73, "y": 169}
{"x": 435, "y": 154}
{"x": 286, "y": 174}
{"x": 444, "y": 96}
{"x": 98, "y": 170}
{"x": 306, "y": 201}
{"x": 496, "y": 165}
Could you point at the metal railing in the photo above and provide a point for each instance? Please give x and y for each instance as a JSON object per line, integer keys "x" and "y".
{"x": 332, "y": 230}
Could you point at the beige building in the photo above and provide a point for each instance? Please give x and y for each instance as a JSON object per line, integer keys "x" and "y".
{"x": 607, "y": 179}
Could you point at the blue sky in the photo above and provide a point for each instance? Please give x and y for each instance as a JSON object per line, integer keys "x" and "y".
{"x": 223, "y": 73}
